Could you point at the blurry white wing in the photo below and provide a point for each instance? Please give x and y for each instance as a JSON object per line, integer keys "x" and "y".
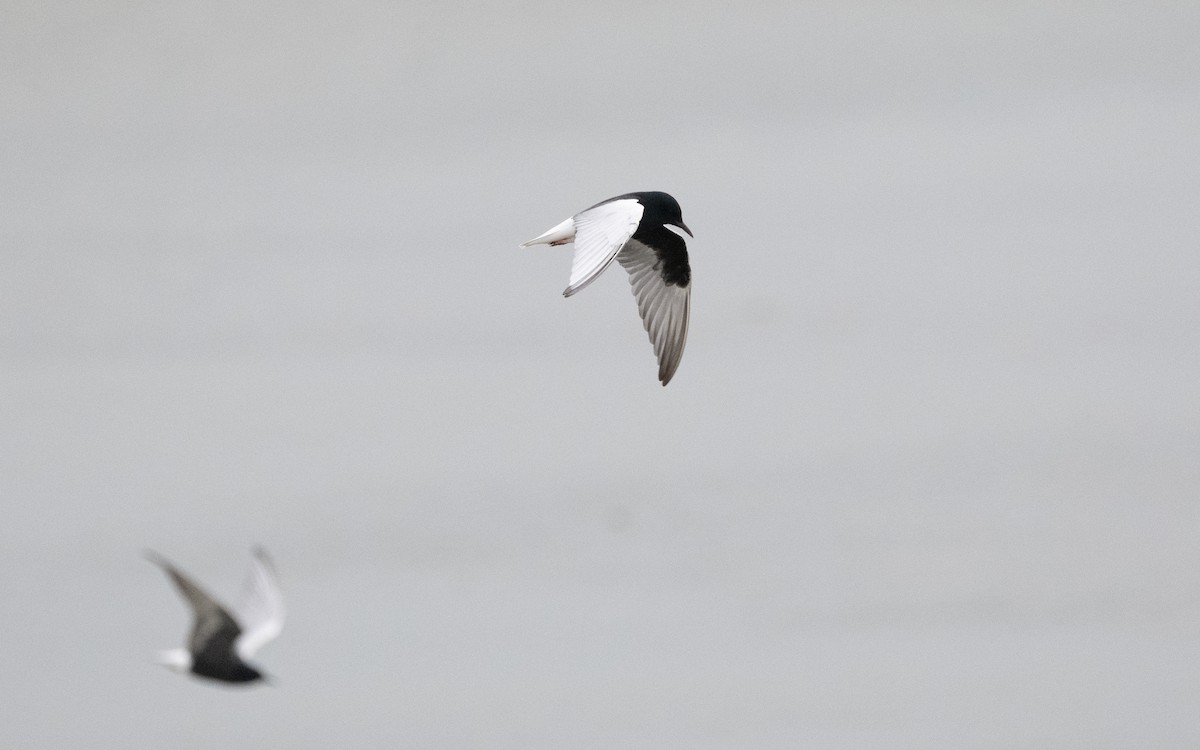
{"x": 260, "y": 611}
{"x": 665, "y": 308}
{"x": 600, "y": 232}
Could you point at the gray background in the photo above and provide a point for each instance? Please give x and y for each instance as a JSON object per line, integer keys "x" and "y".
{"x": 927, "y": 476}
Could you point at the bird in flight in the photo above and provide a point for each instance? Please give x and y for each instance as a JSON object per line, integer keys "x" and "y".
{"x": 220, "y": 644}
{"x": 644, "y": 233}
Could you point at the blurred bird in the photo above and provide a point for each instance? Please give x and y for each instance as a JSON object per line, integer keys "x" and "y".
{"x": 219, "y": 645}
{"x": 644, "y": 232}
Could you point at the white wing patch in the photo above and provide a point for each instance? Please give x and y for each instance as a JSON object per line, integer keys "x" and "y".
{"x": 260, "y": 612}
{"x": 600, "y": 232}
{"x": 665, "y": 308}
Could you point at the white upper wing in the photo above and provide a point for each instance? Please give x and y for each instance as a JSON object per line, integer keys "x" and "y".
{"x": 665, "y": 308}
{"x": 600, "y": 232}
{"x": 260, "y": 611}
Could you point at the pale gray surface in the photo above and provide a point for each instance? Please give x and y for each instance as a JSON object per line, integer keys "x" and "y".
{"x": 927, "y": 477}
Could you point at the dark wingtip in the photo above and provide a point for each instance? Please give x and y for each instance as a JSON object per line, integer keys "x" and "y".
{"x": 666, "y": 372}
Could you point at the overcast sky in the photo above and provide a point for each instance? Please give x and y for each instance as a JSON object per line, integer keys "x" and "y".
{"x": 926, "y": 477}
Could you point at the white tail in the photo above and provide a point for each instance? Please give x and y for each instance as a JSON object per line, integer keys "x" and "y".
{"x": 177, "y": 659}
{"x": 561, "y": 234}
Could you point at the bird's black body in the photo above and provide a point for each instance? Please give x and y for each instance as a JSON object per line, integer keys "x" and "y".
{"x": 226, "y": 671}
{"x": 215, "y": 656}
{"x": 659, "y": 209}
{"x": 671, "y": 251}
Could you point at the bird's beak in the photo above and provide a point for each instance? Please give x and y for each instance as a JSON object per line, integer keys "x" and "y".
{"x": 683, "y": 226}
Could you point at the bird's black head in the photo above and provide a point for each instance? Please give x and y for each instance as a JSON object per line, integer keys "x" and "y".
{"x": 661, "y": 208}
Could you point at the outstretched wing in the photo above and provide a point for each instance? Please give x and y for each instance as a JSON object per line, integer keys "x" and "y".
{"x": 600, "y": 233}
{"x": 260, "y": 610}
{"x": 661, "y": 281}
{"x": 214, "y": 628}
